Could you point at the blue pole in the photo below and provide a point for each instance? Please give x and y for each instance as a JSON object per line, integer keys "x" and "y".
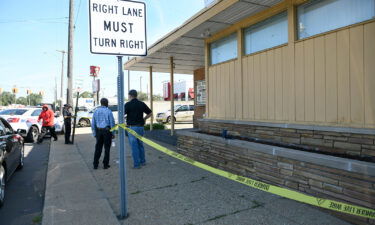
{"x": 121, "y": 135}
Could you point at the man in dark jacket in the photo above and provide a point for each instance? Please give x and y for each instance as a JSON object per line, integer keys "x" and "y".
{"x": 48, "y": 117}
{"x": 67, "y": 113}
{"x": 134, "y": 111}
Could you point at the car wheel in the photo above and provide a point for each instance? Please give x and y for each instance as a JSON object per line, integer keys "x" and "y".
{"x": 33, "y": 134}
{"x": 169, "y": 119}
{"x": 2, "y": 185}
{"x": 84, "y": 123}
{"x": 22, "y": 158}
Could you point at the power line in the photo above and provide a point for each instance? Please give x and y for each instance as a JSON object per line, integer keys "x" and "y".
{"x": 40, "y": 20}
{"x": 79, "y": 7}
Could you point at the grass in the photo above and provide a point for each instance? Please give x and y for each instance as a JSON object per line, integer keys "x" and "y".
{"x": 155, "y": 126}
{"x": 37, "y": 219}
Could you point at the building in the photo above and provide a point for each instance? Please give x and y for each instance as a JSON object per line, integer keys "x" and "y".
{"x": 293, "y": 81}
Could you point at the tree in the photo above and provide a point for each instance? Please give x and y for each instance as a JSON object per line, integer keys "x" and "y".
{"x": 84, "y": 94}
{"x": 22, "y": 101}
{"x": 158, "y": 98}
{"x": 142, "y": 96}
{"x": 7, "y": 98}
{"x": 35, "y": 99}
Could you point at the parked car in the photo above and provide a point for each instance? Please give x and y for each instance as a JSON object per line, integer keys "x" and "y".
{"x": 181, "y": 113}
{"x": 27, "y": 119}
{"x": 11, "y": 154}
{"x": 84, "y": 118}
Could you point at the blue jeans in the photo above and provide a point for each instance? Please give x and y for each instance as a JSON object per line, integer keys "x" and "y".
{"x": 138, "y": 151}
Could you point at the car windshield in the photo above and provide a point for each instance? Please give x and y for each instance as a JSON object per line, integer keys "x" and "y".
{"x": 12, "y": 112}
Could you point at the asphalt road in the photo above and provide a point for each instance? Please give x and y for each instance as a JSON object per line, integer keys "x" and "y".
{"x": 24, "y": 194}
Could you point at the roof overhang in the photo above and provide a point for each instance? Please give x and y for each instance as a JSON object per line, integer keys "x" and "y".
{"x": 186, "y": 43}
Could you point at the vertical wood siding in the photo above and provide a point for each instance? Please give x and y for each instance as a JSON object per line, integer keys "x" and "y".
{"x": 326, "y": 80}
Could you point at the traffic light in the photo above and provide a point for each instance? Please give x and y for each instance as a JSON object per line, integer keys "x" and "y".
{"x": 15, "y": 90}
{"x": 41, "y": 93}
{"x": 1, "y": 91}
{"x": 29, "y": 92}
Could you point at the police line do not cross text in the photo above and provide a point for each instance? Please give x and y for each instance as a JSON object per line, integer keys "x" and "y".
{"x": 118, "y": 27}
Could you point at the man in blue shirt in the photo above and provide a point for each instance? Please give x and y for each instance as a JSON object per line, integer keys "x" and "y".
{"x": 102, "y": 122}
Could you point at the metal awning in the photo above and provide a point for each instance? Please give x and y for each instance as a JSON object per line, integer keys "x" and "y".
{"x": 186, "y": 43}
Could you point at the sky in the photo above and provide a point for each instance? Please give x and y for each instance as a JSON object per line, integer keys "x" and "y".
{"x": 31, "y": 32}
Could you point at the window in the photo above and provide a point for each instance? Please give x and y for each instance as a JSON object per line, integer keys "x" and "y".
{"x": 2, "y": 128}
{"x": 5, "y": 128}
{"x": 36, "y": 112}
{"x": 320, "y": 16}
{"x": 224, "y": 49}
{"x": 266, "y": 34}
{"x": 12, "y": 112}
{"x": 183, "y": 108}
{"x": 113, "y": 108}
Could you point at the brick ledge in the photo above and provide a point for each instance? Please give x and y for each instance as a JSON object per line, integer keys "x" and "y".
{"x": 296, "y": 126}
{"x": 350, "y": 165}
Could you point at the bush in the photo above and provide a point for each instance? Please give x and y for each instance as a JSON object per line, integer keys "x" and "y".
{"x": 155, "y": 126}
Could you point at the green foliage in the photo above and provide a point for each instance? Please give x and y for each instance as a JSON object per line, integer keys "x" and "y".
{"x": 37, "y": 219}
{"x": 142, "y": 96}
{"x": 7, "y": 98}
{"x": 22, "y": 101}
{"x": 155, "y": 126}
{"x": 86, "y": 94}
{"x": 35, "y": 99}
{"x": 157, "y": 98}
{"x": 145, "y": 97}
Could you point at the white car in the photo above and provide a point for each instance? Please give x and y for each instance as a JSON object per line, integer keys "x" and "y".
{"x": 27, "y": 119}
{"x": 84, "y": 118}
{"x": 181, "y": 113}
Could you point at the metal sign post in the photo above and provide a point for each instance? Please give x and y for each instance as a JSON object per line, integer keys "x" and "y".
{"x": 121, "y": 135}
{"x": 118, "y": 27}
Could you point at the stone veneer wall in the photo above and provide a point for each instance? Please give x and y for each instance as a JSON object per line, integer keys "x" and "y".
{"x": 351, "y": 141}
{"x": 323, "y": 176}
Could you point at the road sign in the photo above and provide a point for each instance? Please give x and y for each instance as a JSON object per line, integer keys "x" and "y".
{"x": 94, "y": 71}
{"x": 96, "y": 85}
{"x": 117, "y": 27}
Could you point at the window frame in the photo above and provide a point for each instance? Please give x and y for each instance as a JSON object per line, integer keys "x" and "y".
{"x": 296, "y": 28}
{"x": 259, "y": 23}
{"x": 220, "y": 39}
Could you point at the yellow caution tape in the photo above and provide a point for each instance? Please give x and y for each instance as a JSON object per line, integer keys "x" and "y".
{"x": 320, "y": 202}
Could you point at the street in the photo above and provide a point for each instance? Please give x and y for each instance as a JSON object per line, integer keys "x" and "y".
{"x": 25, "y": 190}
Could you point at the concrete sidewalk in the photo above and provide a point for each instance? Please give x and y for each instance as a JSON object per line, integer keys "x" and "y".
{"x": 72, "y": 195}
{"x": 165, "y": 191}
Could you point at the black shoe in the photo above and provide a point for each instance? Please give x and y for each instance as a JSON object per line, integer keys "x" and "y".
{"x": 95, "y": 167}
{"x": 69, "y": 143}
{"x": 106, "y": 167}
{"x": 55, "y": 139}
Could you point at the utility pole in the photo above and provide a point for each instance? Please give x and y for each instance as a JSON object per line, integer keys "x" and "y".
{"x": 69, "y": 96}
{"x": 62, "y": 78}
{"x": 56, "y": 91}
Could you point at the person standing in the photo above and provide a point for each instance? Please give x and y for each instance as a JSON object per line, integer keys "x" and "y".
{"x": 102, "y": 122}
{"x": 134, "y": 110}
{"x": 67, "y": 113}
{"x": 48, "y": 124}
